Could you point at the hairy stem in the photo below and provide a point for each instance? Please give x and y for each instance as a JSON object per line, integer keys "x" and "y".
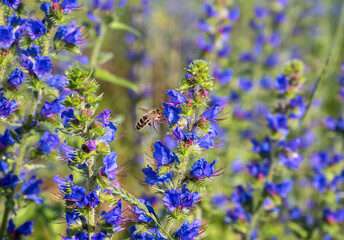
{"x": 47, "y": 43}
{"x": 2, "y": 73}
{"x": 92, "y": 186}
{"x": 2, "y": 16}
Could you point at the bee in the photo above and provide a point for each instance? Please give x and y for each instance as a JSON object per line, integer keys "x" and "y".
{"x": 151, "y": 118}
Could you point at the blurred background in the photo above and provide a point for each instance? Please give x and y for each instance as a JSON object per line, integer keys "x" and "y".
{"x": 144, "y": 52}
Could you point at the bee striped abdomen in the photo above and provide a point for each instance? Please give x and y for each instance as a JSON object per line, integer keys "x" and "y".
{"x": 143, "y": 121}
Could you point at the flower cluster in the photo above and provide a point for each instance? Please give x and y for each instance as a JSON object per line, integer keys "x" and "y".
{"x": 181, "y": 174}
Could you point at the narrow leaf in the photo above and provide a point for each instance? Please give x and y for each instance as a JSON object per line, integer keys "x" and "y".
{"x": 109, "y": 77}
{"x": 122, "y": 26}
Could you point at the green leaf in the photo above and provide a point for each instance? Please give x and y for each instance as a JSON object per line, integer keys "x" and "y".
{"x": 109, "y": 77}
{"x": 122, "y": 26}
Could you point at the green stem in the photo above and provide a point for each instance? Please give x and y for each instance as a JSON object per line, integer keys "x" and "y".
{"x": 2, "y": 73}
{"x": 92, "y": 186}
{"x": 2, "y": 15}
{"x": 47, "y": 43}
{"x": 97, "y": 46}
{"x": 4, "y": 221}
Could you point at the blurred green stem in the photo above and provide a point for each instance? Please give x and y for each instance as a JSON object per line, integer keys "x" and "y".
{"x": 97, "y": 46}
{"x": 4, "y": 219}
{"x": 2, "y": 16}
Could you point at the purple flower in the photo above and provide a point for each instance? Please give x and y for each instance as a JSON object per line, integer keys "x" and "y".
{"x": 153, "y": 178}
{"x": 172, "y": 113}
{"x": 67, "y": 116}
{"x": 209, "y": 10}
{"x": 32, "y": 51}
{"x": 35, "y": 28}
{"x": 207, "y": 140}
{"x": 98, "y": 236}
{"x": 31, "y": 189}
{"x": 334, "y": 125}
{"x": 260, "y": 12}
{"x": 6, "y": 140}
{"x": 26, "y": 63}
{"x": 92, "y": 199}
{"x": 9, "y": 180}
{"x": 16, "y": 78}
{"x": 298, "y": 107}
{"x": 235, "y": 214}
{"x": 266, "y": 83}
{"x": 188, "y": 199}
{"x": 320, "y": 160}
{"x": 282, "y": 189}
{"x": 247, "y": 57}
{"x": 225, "y": 51}
{"x": 141, "y": 215}
{"x": 7, "y": 107}
{"x": 6, "y": 36}
{"x": 176, "y": 98}
{"x": 14, "y": 20}
{"x": 45, "y": 7}
{"x": 51, "y": 108}
{"x": 272, "y": 60}
{"x": 277, "y": 122}
{"x": 258, "y": 170}
{"x": 48, "y": 142}
{"x": 225, "y": 76}
{"x": 245, "y": 84}
{"x": 212, "y": 113}
{"x": 172, "y": 199}
{"x": 241, "y": 195}
{"x": 70, "y": 34}
{"x": 263, "y": 148}
{"x": 114, "y": 216}
{"x": 289, "y": 157}
{"x": 234, "y": 14}
{"x": 12, "y": 3}
{"x": 202, "y": 169}
{"x": 42, "y": 66}
{"x": 69, "y": 5}
{"x": 104, "y": 117}
{"x": 320, "y": 182}
{"x": 281, "y": 83}
{"x": 25, "y": 229}
{"x": 57, "y": 81}
{"x": 163, "y": 154}
{"x": 189, "y": 231}
{"x": 110, "y": 165}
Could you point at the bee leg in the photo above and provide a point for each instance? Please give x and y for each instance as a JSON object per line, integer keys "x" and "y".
{"x": 154, "y": 127}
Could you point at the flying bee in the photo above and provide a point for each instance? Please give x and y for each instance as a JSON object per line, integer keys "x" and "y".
{"x": 151, "y": 118}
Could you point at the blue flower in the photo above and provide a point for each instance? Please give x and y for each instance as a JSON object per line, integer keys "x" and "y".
{"x": 14, "y": 20}
{"x": 289, "y": 157}
{"x": 51, "y": 108}
{"x": 272, "y": 60}
{"x": 25, "y": 229}
{"x": 67, "y": 116}
{"x": 320, "y": 182}
{"x": 258, "y": 170}
{"x": 263, "y": 148}
{"x": 45, "y": 7}
{"x": 172, "y": 199}
{"x": 225, "y": 76}
{"x": 78, "y": 195}
{"x": 110, "y": 165}
{"x": 163, "y": 154}
{"x": 245, "y": 84}
{"x": 6, "y": 36}
{"x": 281, "y": 83}
{"x": 266, "y": 83}
{"x": 189, "y": 231}
{"x": 153, "y": 234}
{"x": 114, "y": 216}
{"x": 234, "y": 14}
{"x": 237, "y": 213}
{"x": 42, "y": 66}
{"x": 281, "y": 189}
{"x": 225, "y": 51}
{"x": 6, "y": 140}
{"x": 92, "y": 199}
{"x": 35, "y": 28}
{"x": 207, "y": 140}
{"x": 12, "y": 3}
{"x": 141, "y": 215}
{"x": 9, "y": 180}
{"x": 320, "y": 160}
{"x": 48, "y": 142}
{"x": 69, "y": 5}
{"x": 172, "y": 113}
{"x": 176, "y": 98}
{"x": 241, "y": 195}
{"x": 202, "y": 169}
{"x": 57, "y": 81}
{"x": 7, "y": 107}
{"x": 188, "y": 199}
{"x": 298, "y": 107}
{"x": 277, "y": 122}
{"x": 98, "y": 236}
{"x": 70, "y": 34}
{"x": 334, "y": 125}
{"x": 32, "y": 51}
{"x": 4, "y": 166}
{"x": 26, "y": 63}
{"x": 212, "y": 113}
{"x": 31, "y": 189}
{"x": 153, "y": 178}
{"x": 209, "y": 10}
